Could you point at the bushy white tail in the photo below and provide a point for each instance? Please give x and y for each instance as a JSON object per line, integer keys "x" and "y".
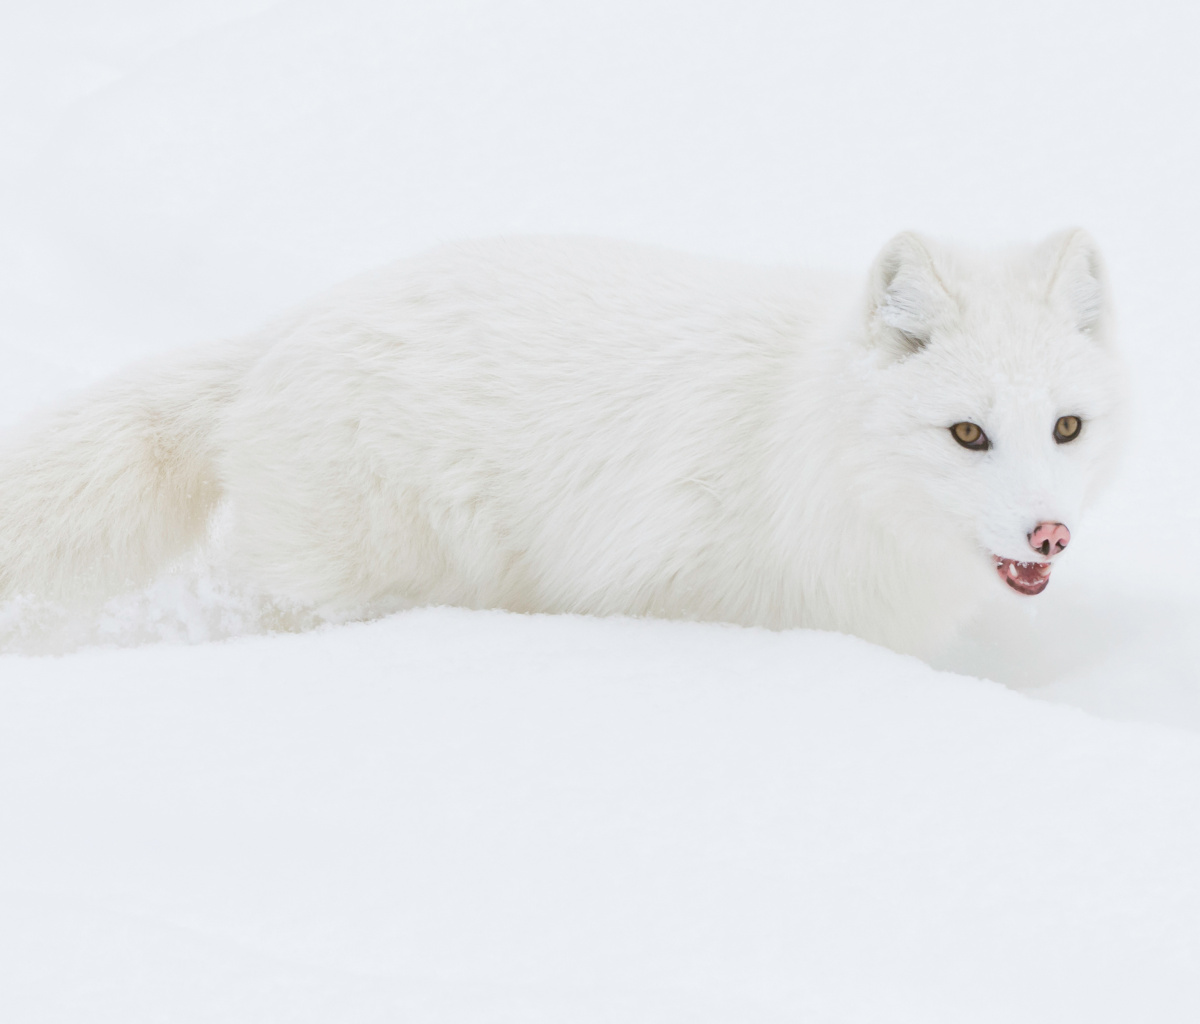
{"x": 100, "y": 494}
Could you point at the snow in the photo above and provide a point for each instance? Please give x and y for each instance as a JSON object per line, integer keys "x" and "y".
{"x": 486, "y": 816}
{"x": 452, "y": 816}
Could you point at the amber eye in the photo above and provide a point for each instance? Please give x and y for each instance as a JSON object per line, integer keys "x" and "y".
{"x": 1067, "y": 429}
{"x": 969, "y": 435}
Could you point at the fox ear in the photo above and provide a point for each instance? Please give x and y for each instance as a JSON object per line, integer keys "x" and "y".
{"x": 1078, "y": 282}
{"x": 906, "y": 298}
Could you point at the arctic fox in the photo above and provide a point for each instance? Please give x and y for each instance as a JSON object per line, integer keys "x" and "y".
{"x": 568, "y": 425}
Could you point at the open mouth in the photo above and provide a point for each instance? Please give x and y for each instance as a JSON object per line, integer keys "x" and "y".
{"x": 1027, "y": 578}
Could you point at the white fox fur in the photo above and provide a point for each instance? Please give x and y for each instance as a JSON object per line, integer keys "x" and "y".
{"x": 556, "y": 425}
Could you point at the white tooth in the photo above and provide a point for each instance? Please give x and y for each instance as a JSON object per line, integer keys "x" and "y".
{"x": 1012, "y": 568}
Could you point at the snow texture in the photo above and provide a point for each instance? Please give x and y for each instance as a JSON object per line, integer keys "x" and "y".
{"x": 449, "y": 816}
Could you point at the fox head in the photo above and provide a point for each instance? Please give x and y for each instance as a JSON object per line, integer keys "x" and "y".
{"x": 996, "y": 397}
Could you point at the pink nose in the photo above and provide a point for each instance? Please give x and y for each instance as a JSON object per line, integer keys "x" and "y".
{"x": 1049, "y": 538}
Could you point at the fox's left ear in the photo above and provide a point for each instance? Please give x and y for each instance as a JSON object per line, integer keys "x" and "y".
{"x": 1078, "y": 284}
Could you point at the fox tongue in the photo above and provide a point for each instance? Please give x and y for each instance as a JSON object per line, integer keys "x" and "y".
{"x": 1024, "y": 577}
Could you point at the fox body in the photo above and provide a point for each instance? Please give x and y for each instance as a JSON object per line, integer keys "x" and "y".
{"x": 558, "y": 425}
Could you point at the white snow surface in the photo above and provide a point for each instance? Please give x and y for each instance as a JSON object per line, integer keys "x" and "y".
{"x": 454, "y": 816}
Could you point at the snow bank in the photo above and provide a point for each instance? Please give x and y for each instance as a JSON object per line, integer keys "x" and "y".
{"x": 484, "y": 816}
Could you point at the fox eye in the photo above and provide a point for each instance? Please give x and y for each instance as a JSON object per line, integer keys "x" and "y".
{"x": 970, "y": 435}
{"x": 1067, "y": 429}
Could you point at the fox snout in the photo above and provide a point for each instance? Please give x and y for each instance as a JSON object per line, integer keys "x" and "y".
{"x": 1049, "y": 538}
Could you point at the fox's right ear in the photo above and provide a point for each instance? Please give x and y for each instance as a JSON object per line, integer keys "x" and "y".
{"x": 905, "y": 297}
